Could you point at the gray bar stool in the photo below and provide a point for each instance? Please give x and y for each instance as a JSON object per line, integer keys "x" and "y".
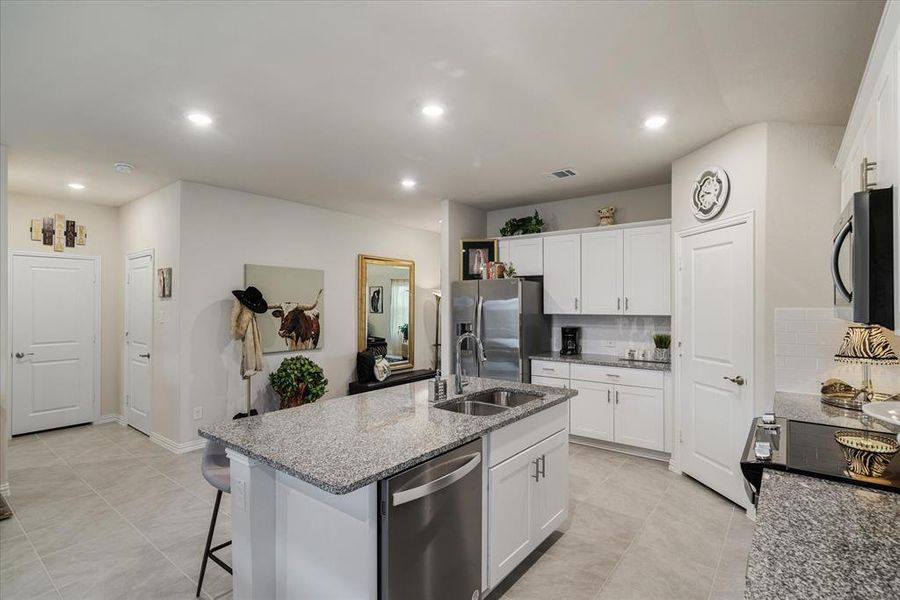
{"x": 217, "y": 471}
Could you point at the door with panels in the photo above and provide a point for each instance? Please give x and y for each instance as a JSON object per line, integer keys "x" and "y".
{"x": 138, "y": 339}
{"x": 55, "y": 331}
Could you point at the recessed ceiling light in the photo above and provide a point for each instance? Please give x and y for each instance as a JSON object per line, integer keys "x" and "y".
{"x": 123, "y": 168}
{"x": 200, "y": 119}
{"x": 76, "y": 186}
{"x": 655, "y": 122}
{"x": 408, "y": 183}
{"x": 432, "y": 110}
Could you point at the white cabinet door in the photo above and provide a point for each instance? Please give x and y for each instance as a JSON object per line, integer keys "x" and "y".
{"x": 648, "y": 270}
{"x": 639, "y": 419}
{"x": 503, "y": 250}
{"x": 601, "y": 273}
{"x": 527, "y": 256}
{"x": 591, "y": 411}
{"x": 551, "y": 491}
{"x": 510, "y": 531}
{"x": 562, "y": 274}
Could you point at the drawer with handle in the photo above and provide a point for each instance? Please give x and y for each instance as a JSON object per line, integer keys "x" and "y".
{"x": 618, "y": 375}
{"x": 547, "y": 368}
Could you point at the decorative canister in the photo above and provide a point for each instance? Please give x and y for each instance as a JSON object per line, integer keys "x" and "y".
{"x": 606, "y": 215}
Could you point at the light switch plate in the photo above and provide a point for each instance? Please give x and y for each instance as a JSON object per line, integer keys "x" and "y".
{"x": 198, "y": 413}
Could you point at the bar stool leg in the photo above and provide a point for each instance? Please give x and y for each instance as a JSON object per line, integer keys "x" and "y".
{"x": 206, "y": 551}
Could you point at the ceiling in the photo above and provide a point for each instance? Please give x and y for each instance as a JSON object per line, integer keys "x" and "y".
{"x": 321, "y": 102}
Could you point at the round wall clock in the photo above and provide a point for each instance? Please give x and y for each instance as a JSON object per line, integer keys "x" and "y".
{"x": 710, "y": 193}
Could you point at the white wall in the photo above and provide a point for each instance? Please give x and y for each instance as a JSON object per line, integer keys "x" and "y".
{"x": 784, "y": 174}
{"x": 154, "y": 221}
{"x": 221, "y": 230}
{"x": 806, "y": 340}
{"x": 4, "y": 351}
{"x": 102, "y": 224}
{"x": 642, "y": 204}
{"x": 458, "y": 222}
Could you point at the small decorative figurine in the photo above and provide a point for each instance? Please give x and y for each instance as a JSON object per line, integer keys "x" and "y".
{"x": 606, "y": 215}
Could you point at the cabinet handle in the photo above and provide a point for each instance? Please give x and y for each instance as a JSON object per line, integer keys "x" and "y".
{"x": 626, "y": 302}
{"x": 617, "y": 396}
{"x": 618, "y": 304}
{"x": 543, "y": 465}
{"x": 865, "y": 168}
{"x": 613, "y": 375}
{"x": 576, "y": 303}
{"x": 537, "y": 472}
{"x": 608, "y": 394}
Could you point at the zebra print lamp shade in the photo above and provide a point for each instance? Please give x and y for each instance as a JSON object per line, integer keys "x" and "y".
{"x": 866, "y": 346}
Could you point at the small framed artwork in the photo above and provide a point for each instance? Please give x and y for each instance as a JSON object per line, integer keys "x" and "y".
{"x": 475, "y": 254}
{"x": 165, "y": 282}
{"x": 376, "y": 299}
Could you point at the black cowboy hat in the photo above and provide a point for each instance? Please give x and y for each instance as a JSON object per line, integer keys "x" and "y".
{"x": 252, "y": 298}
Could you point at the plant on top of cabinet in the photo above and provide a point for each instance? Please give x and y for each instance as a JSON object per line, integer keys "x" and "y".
{"x": 522, "y": 226}
{"x": 298, "y": 380}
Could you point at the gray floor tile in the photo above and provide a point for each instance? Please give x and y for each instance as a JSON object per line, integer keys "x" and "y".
{"x": 15, "y": 552}
{"x": 124, "y": 493}
{"x": 554, "y": 577}
{"x": 653, "y": 573}
{"x": 187, "y": 555}
{"x": 10, "y": 528}
{"x": 42, "y": 484}
{"x": 26, "y": 582}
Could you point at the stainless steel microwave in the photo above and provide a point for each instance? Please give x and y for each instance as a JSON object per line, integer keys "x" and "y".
{"x": 862, "y": 259}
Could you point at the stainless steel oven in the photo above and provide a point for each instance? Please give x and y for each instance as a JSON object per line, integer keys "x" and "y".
{"x": 862, "y": 259}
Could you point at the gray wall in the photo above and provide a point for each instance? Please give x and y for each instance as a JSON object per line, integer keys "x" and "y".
{"x": 642, "y": 204}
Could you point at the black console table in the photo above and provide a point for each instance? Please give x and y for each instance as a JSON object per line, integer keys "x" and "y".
{"x": 395, "y": 379}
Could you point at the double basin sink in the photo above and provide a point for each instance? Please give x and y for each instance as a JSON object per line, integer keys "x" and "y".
{"x": 489, "y": 402}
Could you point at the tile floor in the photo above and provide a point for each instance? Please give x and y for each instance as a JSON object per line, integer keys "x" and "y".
{"x": 102, "y": 512}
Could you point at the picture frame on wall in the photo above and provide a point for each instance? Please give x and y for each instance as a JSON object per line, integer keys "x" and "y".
{"x": 473, "y": 255}
{"x": 376, "y": 299}
{"x": 164, "y": 275}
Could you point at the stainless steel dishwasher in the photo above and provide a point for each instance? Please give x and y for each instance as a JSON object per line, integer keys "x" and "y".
{"x": 430, "y": 533}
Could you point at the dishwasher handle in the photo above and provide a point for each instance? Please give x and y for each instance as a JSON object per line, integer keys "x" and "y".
{"x": 438, "y": 484}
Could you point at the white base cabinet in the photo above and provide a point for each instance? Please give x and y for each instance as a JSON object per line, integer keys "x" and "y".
{"x": 528, "y": 498}
{"x": 619, "y": 405}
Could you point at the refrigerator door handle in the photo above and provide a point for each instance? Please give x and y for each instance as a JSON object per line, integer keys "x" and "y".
{"x": 479, "y": 330}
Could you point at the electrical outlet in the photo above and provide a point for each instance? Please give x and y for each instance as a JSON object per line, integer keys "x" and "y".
{"x": 607, "y": 344}
{"x": 198, "y": 412}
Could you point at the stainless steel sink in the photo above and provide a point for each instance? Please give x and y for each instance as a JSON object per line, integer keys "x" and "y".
{"x": 488, "y": 402}
{"x": 508, "y": 398}
{"x": 468, "y": 407}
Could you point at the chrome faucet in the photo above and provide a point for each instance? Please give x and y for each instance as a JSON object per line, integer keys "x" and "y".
{"x": 460, "y": 384}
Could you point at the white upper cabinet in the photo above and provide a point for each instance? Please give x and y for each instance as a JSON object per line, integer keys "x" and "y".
{"x": 647, "y": 271}
{"x": 601, "y": 273}
{"x": 562, "y": 274}
{"x": 527, "y": 256}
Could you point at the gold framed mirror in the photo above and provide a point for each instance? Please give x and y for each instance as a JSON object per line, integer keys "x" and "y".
{"x": 386, "y": 318}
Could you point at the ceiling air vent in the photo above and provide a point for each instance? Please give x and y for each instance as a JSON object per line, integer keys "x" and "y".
{"x": 561, "y": 174}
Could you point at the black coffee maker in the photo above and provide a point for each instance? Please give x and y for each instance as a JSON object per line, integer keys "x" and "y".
{"x": 570, "y": 344}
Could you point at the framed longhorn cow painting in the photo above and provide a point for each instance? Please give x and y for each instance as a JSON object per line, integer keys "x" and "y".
{"x": 295, "y": 319}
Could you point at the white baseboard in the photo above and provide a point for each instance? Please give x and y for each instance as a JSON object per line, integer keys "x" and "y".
{"x": 4, "y": 490}
{"x": 111, "y": 418}
{"x": 631, "y": 450}
{"x": 176, "y": 447}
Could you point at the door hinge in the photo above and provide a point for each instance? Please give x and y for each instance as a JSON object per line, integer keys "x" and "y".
{"x": 680, "y": 437}
{"x": 680, "y": 263}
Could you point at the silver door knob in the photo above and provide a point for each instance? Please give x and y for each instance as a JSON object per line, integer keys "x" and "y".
{"x": 24, "y": 354}
{"x": 736, "y": 380}
{"x": 144, "y": 355}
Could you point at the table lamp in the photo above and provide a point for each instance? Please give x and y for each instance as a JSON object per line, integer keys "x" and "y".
{"x": 862, "y": 345}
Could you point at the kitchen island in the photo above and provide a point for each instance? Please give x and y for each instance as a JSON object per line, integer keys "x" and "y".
{"x": 816, "y": 538}
{"x": 304, "y": 483}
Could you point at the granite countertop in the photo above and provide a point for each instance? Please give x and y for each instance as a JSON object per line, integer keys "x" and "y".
{"x": 343, "y": 444}
{"x": 809, "y": 408}
{"x": 603, "y": 360}
{"x": 816, "y": 538}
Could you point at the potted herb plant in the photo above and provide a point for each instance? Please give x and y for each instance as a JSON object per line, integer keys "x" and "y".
{"x": 298, "y": 380}
{"x": 662, "y": 341}
{"x": 404, "y": 346}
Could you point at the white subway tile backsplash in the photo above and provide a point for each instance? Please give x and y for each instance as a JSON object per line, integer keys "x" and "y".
{"x": 806, "y": 340}
{"x": 611, "y": 334}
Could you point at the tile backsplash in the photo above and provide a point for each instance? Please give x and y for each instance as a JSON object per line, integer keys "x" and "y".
{"x": 611, "y": 334}
{"x": 806, "y": 340}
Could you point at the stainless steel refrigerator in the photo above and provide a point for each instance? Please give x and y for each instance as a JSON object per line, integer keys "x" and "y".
{"x": 508, "y": 316}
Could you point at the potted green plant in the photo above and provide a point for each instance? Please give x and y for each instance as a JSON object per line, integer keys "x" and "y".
{"x": 522, "y": 225}
{"x": 663, "y": 342}
{"x": 404, "y": 346}
{"x": 404, "y": 331}
{"x": 298, "y": 380}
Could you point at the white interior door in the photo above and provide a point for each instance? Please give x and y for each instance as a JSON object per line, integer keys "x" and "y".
{"x": 601, "y": 273}
{"x": 716, "y": 337}
{"x": 55, "y": 328}
{"x": 138, "y": 339}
